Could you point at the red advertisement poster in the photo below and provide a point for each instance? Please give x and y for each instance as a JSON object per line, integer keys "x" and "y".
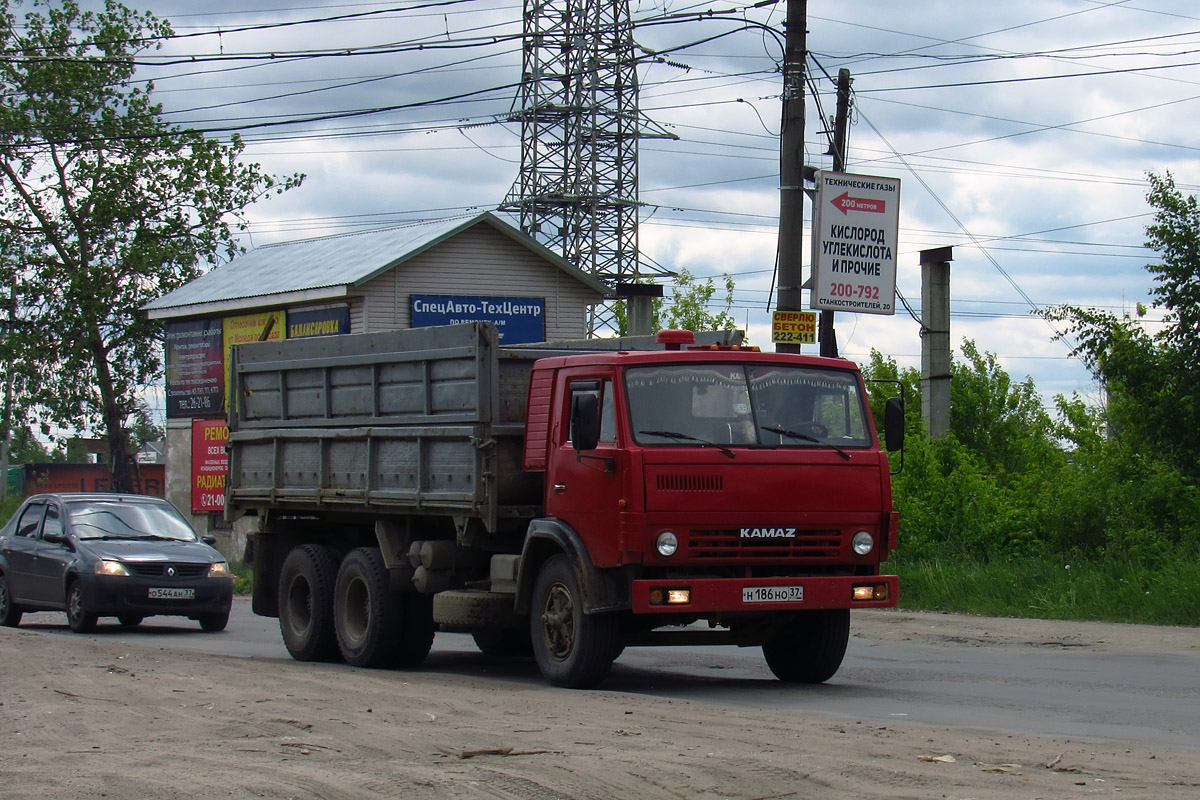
{"x": 210, "y": 464}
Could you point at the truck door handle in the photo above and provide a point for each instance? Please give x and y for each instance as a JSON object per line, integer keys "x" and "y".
{"x": 560, "y": 487}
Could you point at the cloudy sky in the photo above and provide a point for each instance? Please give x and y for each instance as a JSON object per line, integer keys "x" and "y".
{"x": 1021, "y": 132}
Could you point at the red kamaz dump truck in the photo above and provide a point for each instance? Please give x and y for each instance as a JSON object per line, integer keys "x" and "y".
{"x": 556, "y": 501}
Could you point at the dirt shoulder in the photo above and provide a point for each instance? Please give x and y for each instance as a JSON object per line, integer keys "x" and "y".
{"x": 92, "y": 718}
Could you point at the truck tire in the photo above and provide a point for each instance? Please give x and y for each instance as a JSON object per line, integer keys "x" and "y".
{"x": 417, "y": 635}
{"x": 306, "y": 583}
{"x": 503, "y": 642}
{"x": 573, "y": 649}
{"x": 809, "y": 648}
{"x": 367, "y": 617}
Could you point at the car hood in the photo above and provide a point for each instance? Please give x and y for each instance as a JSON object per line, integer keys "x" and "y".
{"x": 151, "y": 550}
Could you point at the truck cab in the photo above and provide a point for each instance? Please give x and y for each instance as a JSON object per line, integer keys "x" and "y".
{"x": 716, "y": 485}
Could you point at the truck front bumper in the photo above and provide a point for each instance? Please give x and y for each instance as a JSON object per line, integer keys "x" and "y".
{"x": 709, "y": 595}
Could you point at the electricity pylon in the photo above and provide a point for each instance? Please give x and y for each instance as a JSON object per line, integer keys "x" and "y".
{"x": 577, "y": 191}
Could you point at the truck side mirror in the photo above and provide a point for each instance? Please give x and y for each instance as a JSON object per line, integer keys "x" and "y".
{"x": 585, "y": 421}
{"x": 893, "y": 424}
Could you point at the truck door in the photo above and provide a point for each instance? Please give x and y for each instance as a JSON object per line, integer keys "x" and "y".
{"x": 584, "y": 487}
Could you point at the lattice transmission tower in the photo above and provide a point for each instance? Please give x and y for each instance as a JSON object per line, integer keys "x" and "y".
{"x": 577, "y": 191}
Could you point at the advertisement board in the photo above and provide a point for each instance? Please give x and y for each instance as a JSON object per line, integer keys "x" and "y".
{"x": 309, "y": 322}
{"x": 855, "y": 222}
{"x": 195, "y": 374}
{"x": 210, "y": 464}
{"x": 261, "y": 327}
{"x": 519, "y": 320}
{"x": 794, "y": 327}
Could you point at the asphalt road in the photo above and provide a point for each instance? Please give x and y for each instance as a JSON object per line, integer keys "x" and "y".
{"x": 1148, "y": 698}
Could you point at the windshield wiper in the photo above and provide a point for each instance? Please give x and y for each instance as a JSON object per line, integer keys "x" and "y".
{"x": 806, "y": 437}
{"x": 689, "y": 438}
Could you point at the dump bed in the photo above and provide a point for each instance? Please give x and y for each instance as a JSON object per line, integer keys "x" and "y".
{"x": 423, "y": 420}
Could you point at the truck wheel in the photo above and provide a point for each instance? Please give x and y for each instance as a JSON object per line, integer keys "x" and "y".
{"x": 306, "y": 602}
{"x": 417, "y": 635}
{"x": 809, "y": 648}
{"x": 503, "y": 642}
{"x": 10, "y": 612}
{"x": 573, "y": 649}
{"x": 367, "y": 616}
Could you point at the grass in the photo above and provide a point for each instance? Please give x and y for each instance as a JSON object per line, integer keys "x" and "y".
{"x": 1111, "y": 591}
{"x": 243, "y": 577}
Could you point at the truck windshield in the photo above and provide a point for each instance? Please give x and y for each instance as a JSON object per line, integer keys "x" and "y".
{"x": 762, "y": 405}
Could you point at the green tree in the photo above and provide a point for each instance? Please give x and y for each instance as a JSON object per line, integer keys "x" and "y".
{"x": 111, "y": 206}
{"x": 1150, "y": 380}
{"x": 687, "y": 306}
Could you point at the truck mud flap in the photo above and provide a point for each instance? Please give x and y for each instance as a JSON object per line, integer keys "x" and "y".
{"x": 603, "y": 590}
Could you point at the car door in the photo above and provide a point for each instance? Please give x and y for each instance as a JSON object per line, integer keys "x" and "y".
{"x": 54, "y": 554}
{"x": 20, "y": 550}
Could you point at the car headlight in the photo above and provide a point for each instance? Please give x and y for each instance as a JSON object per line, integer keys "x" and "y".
{"x": 666, "y": 544}
{"x": 220, "y": 569}
{"x": 862, "y": 543}
{"x": 109, "y": 566}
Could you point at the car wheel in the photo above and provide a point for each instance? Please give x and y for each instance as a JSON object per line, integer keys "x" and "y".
{"x": 214, "y": 622}
{"x": 10, "y": 612}
{"x": 78, "y": 617}
{"x": 573, "y": 649}
{"x": 306, "y": 603}
{"x": 130, "y": 620}
{"x": 367, "y": 616}
{"x": 809, "y": 648}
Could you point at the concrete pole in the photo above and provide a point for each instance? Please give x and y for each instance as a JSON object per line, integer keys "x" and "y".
{"x": 791, "y": 165}
{"x": 935, "y": 339}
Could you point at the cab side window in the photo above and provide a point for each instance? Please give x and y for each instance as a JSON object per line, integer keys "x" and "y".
{"x": 603, "y": 392}
{"x": 53, "y": 523}
{"x": 31, "y": 520}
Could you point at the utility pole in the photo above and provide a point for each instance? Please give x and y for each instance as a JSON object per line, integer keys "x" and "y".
{"x": 791, "y": 164}
{"x": 826, "y": 334}
{"x": 935, "y": 339}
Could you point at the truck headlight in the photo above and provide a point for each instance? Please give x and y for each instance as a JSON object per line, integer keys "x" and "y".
{"x": 666, "y": 544}
{"x": 862, "y": 543}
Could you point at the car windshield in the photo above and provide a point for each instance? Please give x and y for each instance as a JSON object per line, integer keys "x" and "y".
{"x": 100, "y": 519}
{"x": 763, "y": 405}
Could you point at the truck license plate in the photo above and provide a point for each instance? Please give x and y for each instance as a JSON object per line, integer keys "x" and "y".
{"x": 172, "y": 594}
{"x": 772, "y": 594}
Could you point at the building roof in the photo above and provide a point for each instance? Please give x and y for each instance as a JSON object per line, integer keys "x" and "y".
{"x": 328, "y": 268}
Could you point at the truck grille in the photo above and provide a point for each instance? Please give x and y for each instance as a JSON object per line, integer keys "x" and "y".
{"x": 727, "y": 545}
{"x": 690, "y": 483}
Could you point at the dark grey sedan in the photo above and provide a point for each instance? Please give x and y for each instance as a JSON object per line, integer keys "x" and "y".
{"x": 109, "y": 555}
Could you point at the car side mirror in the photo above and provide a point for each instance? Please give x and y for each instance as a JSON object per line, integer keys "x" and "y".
{"x": 585, "y": 421}
{"x": 209, "y": 540}
{"x": 893, "y": 424}
{"x": 53, "y": 537}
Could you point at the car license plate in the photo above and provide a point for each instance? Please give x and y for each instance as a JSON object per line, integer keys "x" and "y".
{"x": 772, "y": 594}
{"x": 172, "y": 594}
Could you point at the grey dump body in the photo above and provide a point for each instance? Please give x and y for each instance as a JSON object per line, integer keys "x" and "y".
{"x": 422, "y": 421}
